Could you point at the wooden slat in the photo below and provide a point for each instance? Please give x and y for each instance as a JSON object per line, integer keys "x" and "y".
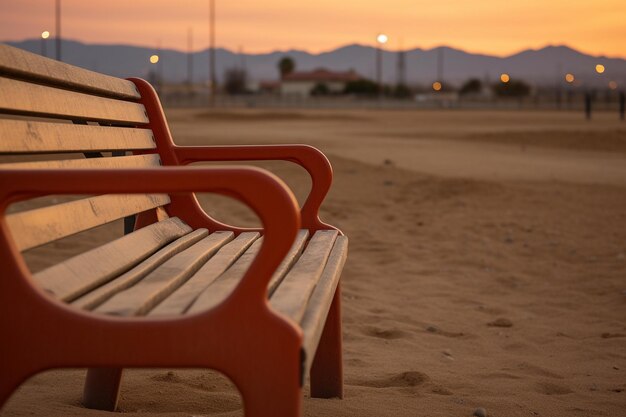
{"x": 183, "y": 297}
{"x": 86, "y": 271}
{"x": 25, "y": 136}
{"x": 287, "y": 263}
{"x": 19, "y": 97}
{"x": 226, "y": 283}
{"x": 98, "y": 296}
{"x": 23, "y": 64}
{"x": 154, "y": 288}
{"x": 317, "y": 309}
{"x": 137, "y": 161}
{"x": 291, "y": 297}
{"x": 39, "y": 226}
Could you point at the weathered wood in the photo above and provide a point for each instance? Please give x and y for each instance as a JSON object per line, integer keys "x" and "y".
{"x": 39, "y": 226}
{"x": 137, "y": 161}
{"x": 99, "y": 295}
{"x": 183, "y": 297}
{"x": 226, "y": 283}
{"x": 314, "y": 318}
{"x": 26, "y": 136}
{"x": 154, "y": 288}
{"x": 287, "y": 263}
{"x": 78, "y": 275}
{"x": 19, "y": 63}
{"x": 19, "y": 97}
{"x": 291, "y": 297}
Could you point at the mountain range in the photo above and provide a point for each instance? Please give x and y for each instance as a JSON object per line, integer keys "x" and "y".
{"x": 545, "y": 66}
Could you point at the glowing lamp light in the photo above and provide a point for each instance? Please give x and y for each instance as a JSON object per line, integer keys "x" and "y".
{"x": 45, "y": 34}
{"x": 382, "y": 38}
{"x": 613, "y": 85}
{"x": 437, "y": 86}
{"x": 505, "y": 78}
{"x": 569, "y": 78}
{"x": 600, "y": 68}
{"x": 154, "y": 59}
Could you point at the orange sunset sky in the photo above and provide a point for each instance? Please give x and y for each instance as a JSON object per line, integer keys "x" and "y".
{"x": 499, "y": 27}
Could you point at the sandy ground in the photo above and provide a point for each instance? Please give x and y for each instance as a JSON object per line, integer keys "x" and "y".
{"x": 486, "y": 269}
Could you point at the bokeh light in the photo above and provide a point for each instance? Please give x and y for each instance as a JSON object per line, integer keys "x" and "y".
{"x": 505, "y": 78}
{"x": 382, "y": 38}
{"x": 600, "y": 68}
{"x": 437, "y": 86}
{"x": 613, "y": 85}
{"x": 569, "y": 78}
{"x": 45, "y": 34}
{"x": 154, "y": 59}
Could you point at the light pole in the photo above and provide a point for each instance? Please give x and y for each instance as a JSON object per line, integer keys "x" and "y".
{"x": 381, "y": 39}
{"x": 58, "y": 30}
{"x": 154, "y": 60}
{"x": 212, "y": 77}
{"x": 189, "y": 58}
{"x": 44, "y": 35}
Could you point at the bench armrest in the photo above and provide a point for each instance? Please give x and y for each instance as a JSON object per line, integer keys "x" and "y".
{"x": 265, "y": 193}
{"x": 308, "y": 157}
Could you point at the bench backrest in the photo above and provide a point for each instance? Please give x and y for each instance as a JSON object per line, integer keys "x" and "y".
{"x": 54, "y": 115}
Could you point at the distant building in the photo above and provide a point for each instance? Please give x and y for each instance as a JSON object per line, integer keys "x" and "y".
{"x": 303, "y": 83}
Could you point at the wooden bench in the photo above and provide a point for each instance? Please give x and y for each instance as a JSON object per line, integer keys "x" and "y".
{"x": 181, "y": 289}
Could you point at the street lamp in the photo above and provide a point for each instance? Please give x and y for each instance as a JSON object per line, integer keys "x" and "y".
{"x": 44, "y": 35}
{"x": 437, "y": 86}
{"x": 569, "y": 78}
{"x": 505, "y": 78}
{"x": 600, "y": 68}
{"x": 382, "y": 40}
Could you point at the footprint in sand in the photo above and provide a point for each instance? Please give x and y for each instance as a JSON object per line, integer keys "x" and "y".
{"x": 388, "y": 334}
{"x": 402, "y": 380}
{"x": 549, "y": 388}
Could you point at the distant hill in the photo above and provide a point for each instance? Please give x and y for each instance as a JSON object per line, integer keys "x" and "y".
{"x": 540, "y": 66}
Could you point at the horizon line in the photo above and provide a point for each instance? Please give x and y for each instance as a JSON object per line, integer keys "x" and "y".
{"x": 547, "y": 45}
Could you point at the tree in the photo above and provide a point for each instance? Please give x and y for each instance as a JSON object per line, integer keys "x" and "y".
{"x": 471, "y": 86}
{"x": 320, "y": 89}
{"x": 286, "y": 65}
{"x": 361, "y": 87}
{"x": 513, "y": 88}
{"x": 235, "y": 81}
{"x": 402, "y": 91}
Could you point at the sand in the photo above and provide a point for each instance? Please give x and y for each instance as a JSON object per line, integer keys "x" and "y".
{"x": 486, "y": 269}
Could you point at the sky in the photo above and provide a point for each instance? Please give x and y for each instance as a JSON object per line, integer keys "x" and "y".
{"x": 494, "y": 27}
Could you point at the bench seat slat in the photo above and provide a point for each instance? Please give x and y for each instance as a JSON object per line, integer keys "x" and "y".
{"x": 19, "y": 97}
{"x": 314, "y": 318}
{"x": 136, "y": 161}
{"x": 226, "y": 283}
{"x": 183, "y": 297}
{"x": 98, "y": 296}
{"x": 75, "y": 276}
{"x": 23, "y": 64}
{"x": 293, "y": 294}
{"x": 39, "y": 226}
{"x": 25, "y": 136}
{"x": 154, "y": 288}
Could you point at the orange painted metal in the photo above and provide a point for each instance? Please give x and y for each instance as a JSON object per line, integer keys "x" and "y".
{"x": 243, "y": 338}
{"x": 258, "y": 349}
{"x": 187, "y": 207}
{"x": 327, "y": 367}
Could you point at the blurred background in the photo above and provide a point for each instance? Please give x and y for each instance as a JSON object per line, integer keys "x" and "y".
{"x": 353, "y": 54}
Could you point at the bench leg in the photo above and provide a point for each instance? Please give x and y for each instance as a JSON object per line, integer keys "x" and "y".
{"x": 9, "y": 382}
{"x": 327, "y": 367}
{"x": 276, "y": 394}
{"x": 102, "y": 388}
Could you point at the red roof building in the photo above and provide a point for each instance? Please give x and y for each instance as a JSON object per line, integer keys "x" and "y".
{"x": 303, "y": 83}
